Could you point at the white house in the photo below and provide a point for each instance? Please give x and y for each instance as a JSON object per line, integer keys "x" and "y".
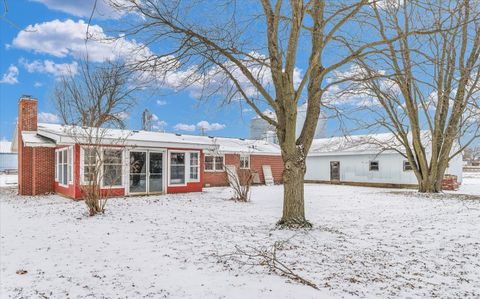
{"x": 365, "y": 160}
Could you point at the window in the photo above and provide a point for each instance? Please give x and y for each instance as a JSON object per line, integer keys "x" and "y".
{"x": 213, "y": 163}
{"x": 407, "y": 166}
{"x": 194, "y": 167}
{"x": 63, "y": 166}
{"x": 112, "y": 167}
{"x": 374, "y": 166}
{"x": 244, "y": 161}
{"x": 177, "y": 168}
{"x": 89, "y": 164}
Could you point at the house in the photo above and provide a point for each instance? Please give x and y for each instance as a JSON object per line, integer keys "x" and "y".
{"x": 8, "y": 160}
{"x": 367, "y": 160}
{"x": 57, "y": 158}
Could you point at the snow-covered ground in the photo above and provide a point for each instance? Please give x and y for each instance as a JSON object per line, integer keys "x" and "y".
{"x": 8, "y": 179}
{"x": 366, "y": 242}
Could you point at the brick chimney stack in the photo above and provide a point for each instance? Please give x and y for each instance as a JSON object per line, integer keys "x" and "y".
{"x": 27, "y": 114}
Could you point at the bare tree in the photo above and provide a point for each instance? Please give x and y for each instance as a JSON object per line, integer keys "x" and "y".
{"x": 251, "y": 54}
{"x": 91, "y": 104}
{"x": 426, "y": 85}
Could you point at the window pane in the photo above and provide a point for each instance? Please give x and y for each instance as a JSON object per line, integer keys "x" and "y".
{"x": 177, "y": 175}
{"x": 138, "y": 162}
{"x": 64, "y": 174}
{"x": 208, "y": 165}
{"x": 177, "y": 168}
{"x": 112, "y": 175}
{"x": 193, "y": 159}
{"x": 193, "y": 172}
{"x": 89, "y": 156}
{"x": 177, "y": 158}
{"x": 219, "y": 163}
{"x": 112, "y": 156}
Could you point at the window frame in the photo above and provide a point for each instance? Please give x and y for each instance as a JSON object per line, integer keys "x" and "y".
{"x": 83, "y": 165}
{"x": 64, "y": 169}
{"x": 186, "y": 173}
{"x": 190, "y": 179}
{"x": 370, "y": 165}
{"x": 247, "y": 156}
{"x": 214, "y": 169}
{"x": 102, "y": 168}
{"x": 405, "y": 163}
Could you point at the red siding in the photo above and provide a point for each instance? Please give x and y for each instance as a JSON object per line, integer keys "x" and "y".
{"x": 219, "y": 178}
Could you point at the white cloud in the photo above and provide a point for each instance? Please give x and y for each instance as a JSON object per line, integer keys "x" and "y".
{"x": 206, "y": 126}
{"x": 161, "y": 102}
{"x": 159, "y": 125}
{"x": 184, "y": 127}
{"x": 83, "y": 8}
{"x": 11, "y": 76}
{"x": 67, "y": 38}
{"x": 46, "y": 117}
{"x": 202, "y": 126}
{"x": 50, "y": 67}
{"x": 37, "y": 84}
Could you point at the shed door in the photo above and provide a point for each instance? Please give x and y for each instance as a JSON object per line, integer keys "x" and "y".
{"x": 335, "y": 171}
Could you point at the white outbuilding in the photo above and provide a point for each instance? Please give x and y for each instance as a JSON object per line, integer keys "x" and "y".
{"x": 370, "y": 160}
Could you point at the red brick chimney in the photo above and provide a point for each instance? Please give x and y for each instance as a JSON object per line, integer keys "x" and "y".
{"x": 27, "y": 121}
{"x": 27, "y": 114}
{"x": 36, "y": 165}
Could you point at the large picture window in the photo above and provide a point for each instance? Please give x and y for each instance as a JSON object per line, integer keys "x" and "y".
{"x": 112, "y": 168}
{"x": 194, "y": 166}
{"x": 213, "y": 163}
{"x": 177, "y": 168}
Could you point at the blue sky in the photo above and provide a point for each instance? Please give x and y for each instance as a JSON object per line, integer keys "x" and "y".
{"x": 30, "y": 67}
{"x": 41, "y": 39}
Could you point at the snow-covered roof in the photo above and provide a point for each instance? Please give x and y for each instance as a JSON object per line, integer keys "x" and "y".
{"x": 5, "y": 146}
{"x": 61, "y": 134}
{"x": 359, "y": 144}
{"x": 32, "y": 139}
{"x": 240, "y": 145}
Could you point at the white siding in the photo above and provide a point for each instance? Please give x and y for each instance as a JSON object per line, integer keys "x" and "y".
{"x": 355, "y": 168}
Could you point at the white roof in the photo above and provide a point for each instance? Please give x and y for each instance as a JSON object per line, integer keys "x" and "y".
{"x": 5, "y": 146}
{"x": 359, "y": 144}
{"x": 32, "y": 139}
{"x": 247, "y": 146}
{"x": 61, "y": 134}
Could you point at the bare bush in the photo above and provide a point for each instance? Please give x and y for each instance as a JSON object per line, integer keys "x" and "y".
{"x": 240, "y": 181}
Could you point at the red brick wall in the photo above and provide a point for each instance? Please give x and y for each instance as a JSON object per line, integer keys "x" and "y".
{"x": 219, "y": 178}
{"x": 43, "y": 170}
{"x": 275, "y": 162}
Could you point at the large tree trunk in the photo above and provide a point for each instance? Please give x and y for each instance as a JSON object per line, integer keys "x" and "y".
{"x": 293, "y": 193}
{"x": 430, "y": 185}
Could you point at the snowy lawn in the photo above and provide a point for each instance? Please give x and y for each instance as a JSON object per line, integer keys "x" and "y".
{"x": 365, "y": 242}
